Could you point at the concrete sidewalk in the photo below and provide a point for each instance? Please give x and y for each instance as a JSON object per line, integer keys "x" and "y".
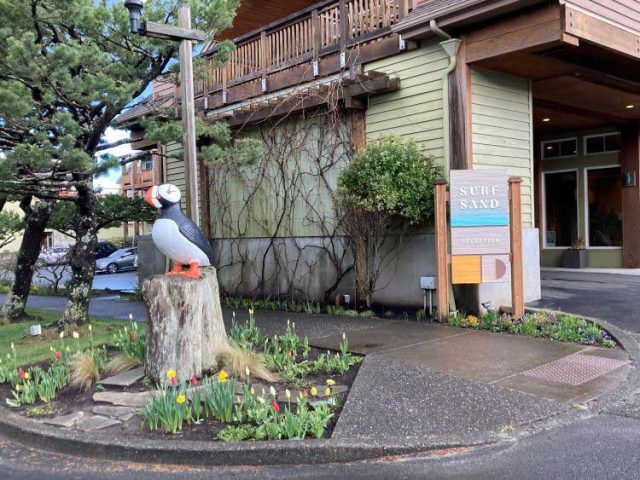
{"x": 422, "y": 379}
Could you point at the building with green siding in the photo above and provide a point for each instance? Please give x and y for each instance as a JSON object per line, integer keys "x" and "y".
{"x": 546, "y": 89}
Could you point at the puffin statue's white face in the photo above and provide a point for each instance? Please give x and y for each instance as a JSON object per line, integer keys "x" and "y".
{"x": 166, "y": 193}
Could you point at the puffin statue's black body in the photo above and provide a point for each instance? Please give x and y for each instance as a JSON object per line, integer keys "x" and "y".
{"x": 175, "y": 235}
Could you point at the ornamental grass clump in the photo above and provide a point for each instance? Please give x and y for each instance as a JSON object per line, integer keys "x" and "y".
{"x": 218, "y": 397}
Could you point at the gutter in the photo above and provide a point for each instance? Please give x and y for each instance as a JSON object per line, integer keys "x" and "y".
{"x": 450, "y": 46}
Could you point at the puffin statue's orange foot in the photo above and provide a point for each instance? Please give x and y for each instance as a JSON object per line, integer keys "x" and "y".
{"x": 176, "y": 270}
{"x": 192, "y": 272}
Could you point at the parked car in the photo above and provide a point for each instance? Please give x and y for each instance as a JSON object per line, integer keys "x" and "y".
{"x": 54, "y": 256}
{"x": 104, "y": 249}
{"x": 123, "y": 259}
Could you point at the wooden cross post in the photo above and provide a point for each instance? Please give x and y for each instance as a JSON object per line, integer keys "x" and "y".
{"x": 442, "y": 246}
{"x": 515, "y": 211}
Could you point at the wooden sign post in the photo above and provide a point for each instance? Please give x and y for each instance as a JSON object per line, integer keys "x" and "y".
{"x": 486, "y": 234}
{"x": 442, "y": 247}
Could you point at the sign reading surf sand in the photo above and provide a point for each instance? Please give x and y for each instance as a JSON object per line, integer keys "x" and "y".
{"x": 480, "y": 243}
{"x": 479, "y": 198}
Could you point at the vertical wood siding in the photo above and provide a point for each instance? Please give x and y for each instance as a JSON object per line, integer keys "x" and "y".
{"x": 501, "y": 129}
{"x": 414, "y": 111}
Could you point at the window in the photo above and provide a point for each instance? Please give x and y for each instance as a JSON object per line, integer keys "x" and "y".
{"x": 605, "y": 143}
{"x": 147, "y": 165}
{"x": 604, "y": 207}
{"x": 560, "y": 148}
{"x": 560, "y": 208}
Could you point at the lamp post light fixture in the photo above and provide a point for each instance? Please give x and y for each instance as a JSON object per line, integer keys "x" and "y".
{"x": 185, "y": 36}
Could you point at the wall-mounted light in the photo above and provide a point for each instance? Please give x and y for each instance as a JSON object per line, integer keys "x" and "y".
{"x": 135, "y": 12}
{"x": 546, "y": 119}
{"x": 630, "y": 106}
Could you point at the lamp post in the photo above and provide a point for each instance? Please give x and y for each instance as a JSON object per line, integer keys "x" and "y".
{"x": 184, "y": 35}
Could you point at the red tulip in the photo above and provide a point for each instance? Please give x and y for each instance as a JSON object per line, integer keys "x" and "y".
{"x": 133, "y": 335}
{"x": 21, "y": 373}
{"x": 173, "y": 381}
{"x": 194, "y": 380}
{"x": 275, "y": 406}
{"x": 58, "y": 356}
{"x": 305, "y": 393}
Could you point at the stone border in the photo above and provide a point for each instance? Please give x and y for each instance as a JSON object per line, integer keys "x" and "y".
{"x": 209, "y": 453}
{"x": 301, "y": 452}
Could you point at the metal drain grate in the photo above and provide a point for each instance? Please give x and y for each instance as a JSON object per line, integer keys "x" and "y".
{"x": 575, "y": 369}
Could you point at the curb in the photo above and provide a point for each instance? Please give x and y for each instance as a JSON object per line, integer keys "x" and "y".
{"x": 208, "y": 453}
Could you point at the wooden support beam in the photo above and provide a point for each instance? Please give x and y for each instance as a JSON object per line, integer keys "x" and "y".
{"x": 460, "y": 113}
{"x": 630, "y": 164}
{"x": 169, "y": 32}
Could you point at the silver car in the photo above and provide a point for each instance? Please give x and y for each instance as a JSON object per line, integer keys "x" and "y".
{"x": 122, "y": 259}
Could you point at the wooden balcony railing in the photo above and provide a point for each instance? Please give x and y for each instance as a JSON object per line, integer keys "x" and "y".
{"x": 309, "y": 35}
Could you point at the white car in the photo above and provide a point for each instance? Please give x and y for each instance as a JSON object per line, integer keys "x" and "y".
{"x": 54, "y": 256}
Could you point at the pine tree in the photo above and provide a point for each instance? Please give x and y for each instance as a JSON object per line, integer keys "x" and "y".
{"x": 67, "y": 69}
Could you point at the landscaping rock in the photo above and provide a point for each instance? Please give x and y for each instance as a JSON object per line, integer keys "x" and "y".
{"x": 124, "y": 379}
{"x": 96, "y": 422}
{"x": 124, "y": 399}
{"x": 66, "y": 421}
{"x": 119, "y": 413}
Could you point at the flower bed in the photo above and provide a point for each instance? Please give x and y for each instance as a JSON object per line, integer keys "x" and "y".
{"x": 551, "y": 325}
{"x": 267, "y": 388}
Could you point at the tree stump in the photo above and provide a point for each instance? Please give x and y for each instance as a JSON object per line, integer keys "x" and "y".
{"x": 184, "y": 324}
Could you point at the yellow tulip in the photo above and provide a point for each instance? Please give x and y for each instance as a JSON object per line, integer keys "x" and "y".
{"x": 331, "y": 382}
{"x": 252, "y": 391}
{"x": 27, "y": 375}
{"x": 314, "y": 391}
{"x": 181, "y": 399}
{"x": 327, "y": 392}
{"x": 18, "y": 388}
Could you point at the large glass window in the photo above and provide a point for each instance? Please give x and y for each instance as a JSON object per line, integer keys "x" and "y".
{"x": 604, "y": 189}
{"x": 559, "y": 148}
{"x": 561, "y": 208}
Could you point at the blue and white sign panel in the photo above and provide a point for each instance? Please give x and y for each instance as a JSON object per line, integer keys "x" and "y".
{"x": 479, "y": 198}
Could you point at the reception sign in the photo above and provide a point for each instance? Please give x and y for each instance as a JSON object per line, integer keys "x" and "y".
{"x": 480, "y": 242}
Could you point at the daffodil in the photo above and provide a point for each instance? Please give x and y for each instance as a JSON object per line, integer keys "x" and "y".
{"x": 171, "y": 374}
{"x": 223, "y": 376}
{"x": 331, "y": 382}
{"x": 327, "y": 392}
{"x": 181, "y": 399}
{"x": 314, "y": 391}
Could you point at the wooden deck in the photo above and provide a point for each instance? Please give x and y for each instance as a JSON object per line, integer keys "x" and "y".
{"x": 327, "y": 37}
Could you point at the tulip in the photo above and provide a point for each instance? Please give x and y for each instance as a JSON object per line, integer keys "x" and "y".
{"x": 62, "y": 335}
{"x": 58, "y": 356}
{"x": 194, "y": 380}
{"x": 275, "y": 406}
{"x": 173, "y": 381}
{"x": 260, "y": 400}
{"x": 314, "y": 391}
{"x": 327, "y": 392}
{"x": 252, "y": 391}
{"x": 133, "y": 336}
{"x": 331, "y": 382}
{"x": 22, "y": 373}
{"x": 272, "y": 391}
{"x": 247, "y": 372}
{"x": 287, "y": 394}
{"x": 76, "y": 335}
{"x": 90, "y": 327}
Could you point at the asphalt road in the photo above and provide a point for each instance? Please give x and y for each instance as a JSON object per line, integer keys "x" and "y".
{"x": 102, "y": 281}
{"x": 615, "y": 298}
{"x": 604, "y": 447}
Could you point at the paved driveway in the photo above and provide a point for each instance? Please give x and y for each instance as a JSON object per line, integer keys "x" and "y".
{"x": 615, "y": 298}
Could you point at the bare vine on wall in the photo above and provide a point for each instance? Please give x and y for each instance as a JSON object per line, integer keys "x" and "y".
{"x": 275, "y": 223}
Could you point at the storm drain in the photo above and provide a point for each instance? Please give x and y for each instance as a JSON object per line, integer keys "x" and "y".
{"x": 575, "y": 369}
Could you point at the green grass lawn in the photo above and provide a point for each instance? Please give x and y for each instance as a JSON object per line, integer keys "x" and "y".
{"x": 31, "y": 350}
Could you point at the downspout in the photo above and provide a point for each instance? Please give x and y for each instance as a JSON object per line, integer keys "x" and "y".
{"x": 450, "y": 46}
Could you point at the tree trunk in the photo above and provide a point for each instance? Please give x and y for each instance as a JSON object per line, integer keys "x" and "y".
{"x": 82, "y": 257}
{"x": 363, "y": 292}
{"x": 185, "y": 329}
{"x": 36, "y": 219}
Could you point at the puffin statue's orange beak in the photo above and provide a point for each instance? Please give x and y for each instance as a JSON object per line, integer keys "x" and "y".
{"x": 152, "y": 197}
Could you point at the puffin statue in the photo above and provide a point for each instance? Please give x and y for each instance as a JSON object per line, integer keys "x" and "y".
{"x": 175, "y": 235}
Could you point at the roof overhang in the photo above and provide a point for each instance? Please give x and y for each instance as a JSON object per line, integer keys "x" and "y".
{"x": 455, "y": 14}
